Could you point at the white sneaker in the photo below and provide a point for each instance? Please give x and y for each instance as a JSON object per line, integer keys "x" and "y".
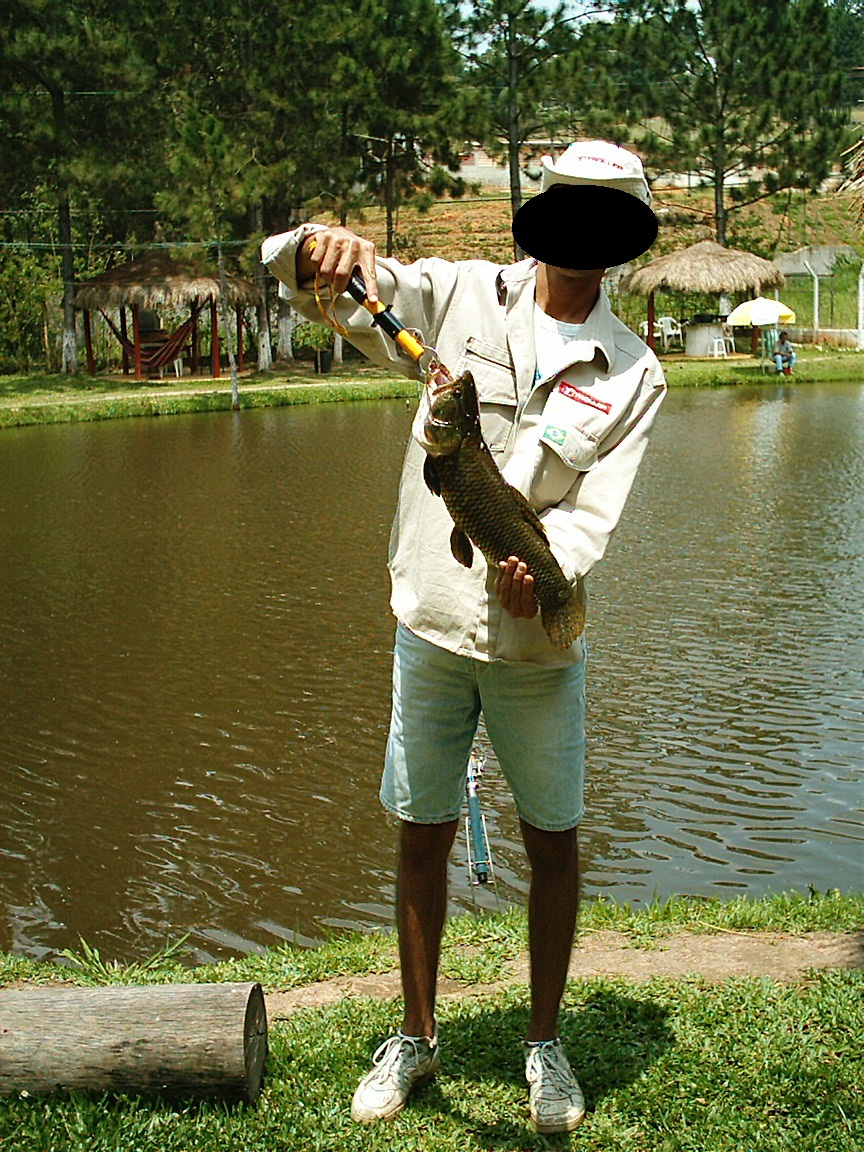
{"x": 400, "y": 1064}
{"x": 555, "y": 1098}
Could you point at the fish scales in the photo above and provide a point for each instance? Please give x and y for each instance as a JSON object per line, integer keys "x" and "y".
{"x": 489, "y": 512}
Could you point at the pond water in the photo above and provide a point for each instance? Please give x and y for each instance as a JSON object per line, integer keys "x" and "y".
{"x": 195, "y": 657}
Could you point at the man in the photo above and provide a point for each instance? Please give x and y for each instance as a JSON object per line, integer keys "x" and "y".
{"x": 567, "y": 396}
{"x": 784, "y": 355}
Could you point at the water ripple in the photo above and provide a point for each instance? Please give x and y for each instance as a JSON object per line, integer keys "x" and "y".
{"x": 195, "y": 672}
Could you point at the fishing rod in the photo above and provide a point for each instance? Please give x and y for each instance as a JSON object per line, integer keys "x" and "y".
{"x": 480, "y": 869}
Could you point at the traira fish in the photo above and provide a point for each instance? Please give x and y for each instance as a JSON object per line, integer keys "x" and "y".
{"x": 486, "y": 510}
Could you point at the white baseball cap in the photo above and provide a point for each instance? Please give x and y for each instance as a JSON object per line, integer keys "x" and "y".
{"x": 600, "y": 163}
{"x": 593, "y": 210}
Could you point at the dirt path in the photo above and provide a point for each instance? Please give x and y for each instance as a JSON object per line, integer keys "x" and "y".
{"x": 714, "y": 956}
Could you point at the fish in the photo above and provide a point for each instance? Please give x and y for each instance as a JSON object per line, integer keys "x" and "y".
{"x": 487, "y": 512}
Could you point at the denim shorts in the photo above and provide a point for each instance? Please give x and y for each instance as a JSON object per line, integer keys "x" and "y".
{"x": 535, "y": 719}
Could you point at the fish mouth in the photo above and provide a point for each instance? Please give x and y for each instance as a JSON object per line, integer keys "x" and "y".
{"x": 440, "y": 437}
{"x": 442, "y": 425}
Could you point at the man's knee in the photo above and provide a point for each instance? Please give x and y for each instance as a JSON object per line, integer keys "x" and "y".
{"x": 426, "y": 845}
{"x": 551, "y": 852}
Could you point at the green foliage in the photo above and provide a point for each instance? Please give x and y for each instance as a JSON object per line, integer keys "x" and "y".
{"x": 221, "y": 121}
{"x": 26, "y": 284}
{"x": 400, "y": 99}
{"x": 308, "y": 336}
{"x": 518, "y": 51}
{"x": 747, "y": 98}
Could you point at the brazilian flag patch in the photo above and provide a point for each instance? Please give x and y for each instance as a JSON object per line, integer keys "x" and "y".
{"x": 555, "y": 435}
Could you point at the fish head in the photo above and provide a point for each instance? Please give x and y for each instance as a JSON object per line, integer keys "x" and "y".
{"x": 452, "y": 412}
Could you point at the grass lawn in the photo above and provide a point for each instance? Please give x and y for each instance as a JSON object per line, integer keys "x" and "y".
{"x": 746, "y": 1065}
{"x": 42, "y": 399}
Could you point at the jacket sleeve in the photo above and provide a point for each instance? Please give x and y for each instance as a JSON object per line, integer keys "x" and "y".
{"x": 580, "y": 526}
{"x": 418, "y": 293}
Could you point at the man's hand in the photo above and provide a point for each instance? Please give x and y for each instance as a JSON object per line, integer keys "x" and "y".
{"x": 333, "y": 254}
{"x": 515, "y": 588}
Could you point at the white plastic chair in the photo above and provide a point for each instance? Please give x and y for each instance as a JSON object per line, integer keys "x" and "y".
{"x": 670, "y": 329}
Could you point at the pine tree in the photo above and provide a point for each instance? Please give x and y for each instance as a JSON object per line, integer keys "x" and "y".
{"x": 73, "y": 90}
{"x": 397, "y": 73}
{"x": 745, "y": 97}
{"x": 516, "y": 48}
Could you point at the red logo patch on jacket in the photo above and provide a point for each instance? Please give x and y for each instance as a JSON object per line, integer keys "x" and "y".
{"x": 581, "y": 397}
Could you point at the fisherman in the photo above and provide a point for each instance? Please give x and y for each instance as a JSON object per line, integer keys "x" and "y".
{"x": 567, "y": 397}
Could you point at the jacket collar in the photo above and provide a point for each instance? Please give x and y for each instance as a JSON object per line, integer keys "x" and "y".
{"x": 516, "y": 284}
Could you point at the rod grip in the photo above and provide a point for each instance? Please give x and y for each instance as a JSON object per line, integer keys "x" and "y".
{"x": 384, "y": 318}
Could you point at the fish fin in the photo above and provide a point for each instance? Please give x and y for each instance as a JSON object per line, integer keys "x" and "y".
{"x": 471, "y": 404}
{"x": 430, "y": 475}
{"x": 564, "y": 623}
{"x": 461, "y": 547}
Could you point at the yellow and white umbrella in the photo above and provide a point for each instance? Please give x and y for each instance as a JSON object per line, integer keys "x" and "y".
{"x": 760, "y": 313}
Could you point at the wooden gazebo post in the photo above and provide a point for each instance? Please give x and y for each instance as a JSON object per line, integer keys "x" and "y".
{"x": 214, "y": 338}
{"x": 124, "y": 332}
{"x": 651, "y": 313}
{"x": 136, "y": 336}
{"x": 196, "y": 339}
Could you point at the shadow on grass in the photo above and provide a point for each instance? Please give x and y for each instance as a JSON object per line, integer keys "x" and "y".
{"x": 611, "y": 1038}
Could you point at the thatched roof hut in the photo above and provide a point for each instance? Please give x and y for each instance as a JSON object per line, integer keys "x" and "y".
{"x": 153, "y": 281}
{"x": 706, "y": 268}
{"x": 156, "y": 280}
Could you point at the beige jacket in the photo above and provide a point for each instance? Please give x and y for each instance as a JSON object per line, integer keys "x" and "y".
{"x": 572, "y": 444}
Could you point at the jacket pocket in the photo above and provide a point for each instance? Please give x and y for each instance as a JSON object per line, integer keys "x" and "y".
{"x": 496, "y": 390}
{"x": 570, "y": 434}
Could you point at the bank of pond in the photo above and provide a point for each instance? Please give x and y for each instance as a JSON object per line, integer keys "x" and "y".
{"x": 34, "y": 398}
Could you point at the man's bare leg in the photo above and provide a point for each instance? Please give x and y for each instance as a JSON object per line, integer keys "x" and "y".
{"x": 553, "y": 905}
{"x": 421, "y": 908}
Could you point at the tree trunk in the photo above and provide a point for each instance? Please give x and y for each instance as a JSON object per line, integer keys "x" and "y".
{"x": 69, "y": 361}
{"x": 285, "y": 322}
{"x": 388, "y": 195}
{"x": 183, "y": 1040}
{"x": 719, "y": 159}
{"x": 514, "y": 131}
{"x": 226, "y": 323}
{"x": 265, "y": 348}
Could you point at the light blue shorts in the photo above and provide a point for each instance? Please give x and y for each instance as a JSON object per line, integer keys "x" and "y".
{"x": 535, "y": 718}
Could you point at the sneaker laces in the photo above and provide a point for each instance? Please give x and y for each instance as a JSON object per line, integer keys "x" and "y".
{"x": 389, "y": 1052}
{"x": 547, "y": 1060}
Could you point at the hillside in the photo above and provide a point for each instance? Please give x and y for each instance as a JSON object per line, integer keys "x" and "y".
{"x": 480, "y": 226}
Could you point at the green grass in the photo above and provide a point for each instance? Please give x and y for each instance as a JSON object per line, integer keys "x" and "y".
{"x": 35, "y": 398}
{"x": 42, "y": 399}
{"x": 476, "y": 949}
{"x": 748, "y": 1065}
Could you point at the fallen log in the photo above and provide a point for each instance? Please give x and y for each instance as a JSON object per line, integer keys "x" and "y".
{"x": 178, "y": 1040}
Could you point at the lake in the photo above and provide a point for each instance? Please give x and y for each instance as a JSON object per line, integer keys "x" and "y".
{"x": 195, "y": 647}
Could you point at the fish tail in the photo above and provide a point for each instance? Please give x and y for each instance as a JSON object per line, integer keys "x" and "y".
{"x": 564, "y": 623}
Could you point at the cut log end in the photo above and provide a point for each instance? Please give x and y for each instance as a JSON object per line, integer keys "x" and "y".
{"x": 183, "y": 1040}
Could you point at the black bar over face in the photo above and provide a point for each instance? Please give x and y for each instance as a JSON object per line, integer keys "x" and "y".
{"x": 584, "y": 226}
